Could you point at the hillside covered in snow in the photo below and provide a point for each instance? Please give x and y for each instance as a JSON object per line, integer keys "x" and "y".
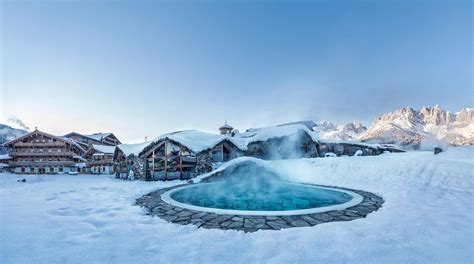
{"x": 8, "y": 133}
{"x": 426, "y": 218}
{"x": 409, "y": 128}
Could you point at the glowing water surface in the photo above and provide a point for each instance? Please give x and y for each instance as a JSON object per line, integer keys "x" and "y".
{"x": 277, "y": 196}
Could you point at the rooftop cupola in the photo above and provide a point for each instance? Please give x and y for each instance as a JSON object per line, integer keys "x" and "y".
{"x": 226, "y": 129}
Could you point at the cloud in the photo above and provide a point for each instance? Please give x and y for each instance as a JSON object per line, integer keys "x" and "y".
{"x": 16, "y": 121}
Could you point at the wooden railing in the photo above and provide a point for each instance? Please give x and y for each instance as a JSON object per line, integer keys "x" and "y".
{"x": 99, "y": 162}
{"x": 42, "y": 154}
{"x": 40, "y": 144}
{"x": 42, "y": 163}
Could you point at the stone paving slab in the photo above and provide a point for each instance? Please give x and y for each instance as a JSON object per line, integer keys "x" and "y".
{"x": 156, "y": 207}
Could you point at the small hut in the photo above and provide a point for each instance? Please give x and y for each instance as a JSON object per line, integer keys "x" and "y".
{"x": 185, "y": 154}
{"x": 128, "y": 165}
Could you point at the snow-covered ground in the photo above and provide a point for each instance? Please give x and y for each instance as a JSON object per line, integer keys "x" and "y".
{"x": 427, "y": 218}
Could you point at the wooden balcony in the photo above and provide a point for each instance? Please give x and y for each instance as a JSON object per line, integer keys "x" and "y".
{"x": 40, "y": 144}
{"x": 41, "y": 163}
{"x": 100, "y": 163}
{"x": 43, "y": 154}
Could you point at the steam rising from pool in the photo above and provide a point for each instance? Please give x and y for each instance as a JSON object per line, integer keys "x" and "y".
{"x": 250, "y": 187}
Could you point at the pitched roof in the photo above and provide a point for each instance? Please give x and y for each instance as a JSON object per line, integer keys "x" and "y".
{"x": 308, "y": 123}
{"x": 98, "y": 136}
{"x": 194, "y": 140}
{"x": 226, "y": 126}
{"x": 64, "y": 139}
{"x": 266, "y": 133}
{"x": 104, "y": 149}
{"x": 133, "y": 149}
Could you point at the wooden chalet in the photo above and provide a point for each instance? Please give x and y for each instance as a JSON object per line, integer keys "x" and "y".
{"x": 40, "y": 152}
{"x": 185, "y": 154}
{"x": 127, "y": 163}
{"x": 100, "y": 159}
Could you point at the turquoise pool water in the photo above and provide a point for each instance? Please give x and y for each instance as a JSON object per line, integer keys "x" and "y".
{"x": 277, "y": 196}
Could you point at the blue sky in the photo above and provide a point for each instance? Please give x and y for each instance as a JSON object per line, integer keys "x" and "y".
{"x": 146, "y": 68}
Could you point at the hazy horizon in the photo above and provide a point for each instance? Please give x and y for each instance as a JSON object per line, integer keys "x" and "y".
{"x": 148, "y": 68}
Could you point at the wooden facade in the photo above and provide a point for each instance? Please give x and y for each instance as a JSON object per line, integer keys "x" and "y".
{"x": 40, "y": 152}
{"x": 167, "y": 159}
{"x": 178, "y": 155}
{"x": 128, "y": 166}
{"x": 100, "y": 159}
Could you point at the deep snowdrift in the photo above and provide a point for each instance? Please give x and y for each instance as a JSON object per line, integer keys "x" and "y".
{"x": 427, "y": 217}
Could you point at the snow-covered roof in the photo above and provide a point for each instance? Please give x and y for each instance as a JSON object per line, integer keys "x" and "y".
{"x": 69, "y": 140}
{"x": 75, "y": 142}
{"x": 98, "y": 136}
{"x": 265, "y": 133}
{"x": 198, "y": 141}
{"x": 308, "y": 123}
{"x": 226, "y": 126}
{"x": 104, "y": 149}
{"x": 133, "y": 149}
{"x": 194, "y": 140}
{"x": 5, "y": 157}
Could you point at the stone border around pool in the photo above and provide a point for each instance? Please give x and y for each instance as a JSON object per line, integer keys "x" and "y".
{"x": 155, "y": 206}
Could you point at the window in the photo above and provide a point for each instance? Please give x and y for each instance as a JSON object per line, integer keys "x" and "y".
{"x": 22, "y": 169}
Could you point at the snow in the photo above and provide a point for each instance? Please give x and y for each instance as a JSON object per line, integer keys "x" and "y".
{"x": 104, "y": 149}
{"x": 407, "y": 126}
{"x": 5, "y": 157}
{"x": 133, "y": 149}
{"x": 98, "y": 136}
{"x": 426, "y": 218}
{"x": 198, "y": 141}
{"x": 362, "y": 144}
{"x": 194, "y": 140}
{"x": 71, "y": 141}
{"x": 264, "y": 133}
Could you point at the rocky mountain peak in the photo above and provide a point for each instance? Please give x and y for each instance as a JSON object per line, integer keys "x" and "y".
{"x": 409, "y": 127}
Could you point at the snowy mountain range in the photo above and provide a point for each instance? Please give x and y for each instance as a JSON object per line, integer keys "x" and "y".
{"x": 409, "y": 128}
{"x": 405, "y": 127}
{"x": 8, "y": 133}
